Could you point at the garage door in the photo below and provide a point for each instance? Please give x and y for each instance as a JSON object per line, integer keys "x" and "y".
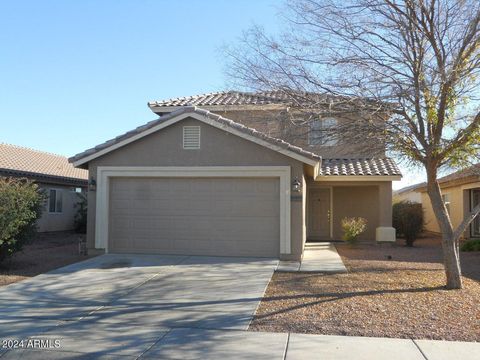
{"x": 195, "y": 216}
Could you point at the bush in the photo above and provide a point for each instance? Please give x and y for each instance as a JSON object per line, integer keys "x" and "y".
{"x": 21, "y": 205}
{"x": 352, "y": 228}
{"x": 471, "y": 245}
{"x": 81, "y": 215}
{"x": 408, "y": 220}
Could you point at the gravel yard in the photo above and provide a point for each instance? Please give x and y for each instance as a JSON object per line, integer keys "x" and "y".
{"x": 398, "y": 297}
{"x": 48, "y": 251}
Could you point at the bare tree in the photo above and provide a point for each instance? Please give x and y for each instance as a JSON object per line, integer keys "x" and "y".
{"x": 411, "y": 63}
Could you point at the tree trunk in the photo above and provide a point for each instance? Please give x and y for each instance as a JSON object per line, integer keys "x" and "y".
{"x": 450, "y": 244}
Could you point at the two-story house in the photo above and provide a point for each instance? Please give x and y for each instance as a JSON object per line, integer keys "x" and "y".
{"x": 233, "y": 174}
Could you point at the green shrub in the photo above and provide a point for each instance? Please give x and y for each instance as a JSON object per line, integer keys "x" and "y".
{"x": 352, "y": 228}
{"x": 408, "y": 220}
{"x": 471, "y": 245}
{"x": 81, "y": 215}
{"x": 21, "y": 205}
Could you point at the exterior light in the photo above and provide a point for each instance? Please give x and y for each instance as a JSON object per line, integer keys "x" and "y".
{"x": 296, "y": 186}
{"x": 92, "y": 184}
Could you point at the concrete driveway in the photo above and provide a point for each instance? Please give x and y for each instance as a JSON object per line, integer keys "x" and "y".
{"x": 136, "y": 305}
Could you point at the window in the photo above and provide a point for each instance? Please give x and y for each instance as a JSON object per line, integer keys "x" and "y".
{"x": 474, "y": 201}
{"x": 77, "y": 189}
{"x": 191, "y": 137}
{"x": 321, "y": 132}
{"x": 446, "y": 201}
{"x": 55, "y": 201}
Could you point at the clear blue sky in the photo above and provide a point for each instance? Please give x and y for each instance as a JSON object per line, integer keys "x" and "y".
{"x": 76, "y": 73}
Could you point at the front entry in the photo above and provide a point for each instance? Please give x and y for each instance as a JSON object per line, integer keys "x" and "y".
{"x": 319, "y": 214}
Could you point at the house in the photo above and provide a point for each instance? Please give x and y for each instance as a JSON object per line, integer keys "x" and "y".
{"x": 460, "y": 193}
{"x": 53, "y": 174}
{"x": 408, "y": 193}
{"x": 214, "y": 175}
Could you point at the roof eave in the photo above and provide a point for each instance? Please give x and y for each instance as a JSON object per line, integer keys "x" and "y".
{"x": 358, "y": 178}
{"x": 160, "y": 110}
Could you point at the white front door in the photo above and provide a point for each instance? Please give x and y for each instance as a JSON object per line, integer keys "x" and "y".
{"x": 319, "y": 214}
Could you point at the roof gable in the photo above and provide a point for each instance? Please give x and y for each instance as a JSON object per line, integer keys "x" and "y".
{"x": 207, "y": 117}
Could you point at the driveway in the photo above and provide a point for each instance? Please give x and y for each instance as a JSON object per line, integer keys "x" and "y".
{"x": 138, "y": 305}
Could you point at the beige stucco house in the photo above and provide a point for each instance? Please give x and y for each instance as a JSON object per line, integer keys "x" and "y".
{"x": 215, "y": 175}
{"x": 60, "y": 181}
{"x": 460, "y": 192}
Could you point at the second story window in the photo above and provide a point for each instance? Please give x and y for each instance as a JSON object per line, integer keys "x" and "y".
{"x": 321, "y": 132}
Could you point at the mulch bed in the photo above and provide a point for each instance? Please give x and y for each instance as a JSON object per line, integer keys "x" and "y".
{"x": 47, "y": 251}
{"x": 389, "y": 291}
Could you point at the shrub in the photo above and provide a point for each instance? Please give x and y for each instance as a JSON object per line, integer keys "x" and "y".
{"x": 81, "y": 215}
{"x": 408, "y": 220}
{"x": 352, "y": 228}
{"x": 471, "y": 245}
{"x": 21, "y": 205}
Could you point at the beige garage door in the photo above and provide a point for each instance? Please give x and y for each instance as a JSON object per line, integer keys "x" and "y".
{"x": 195, "y": 216}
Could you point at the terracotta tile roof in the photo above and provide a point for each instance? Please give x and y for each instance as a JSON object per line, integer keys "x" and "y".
{"x": 225, "y": 98}
{"x": 470, "y": 171}
{"x": 24, "y": 161}
{"x": 359, "y": 167}
{"x": 192, "y": 109}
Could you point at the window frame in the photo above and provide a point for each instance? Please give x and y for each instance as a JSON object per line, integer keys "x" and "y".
{"x": 475, "y": 224}
{"x": 316, "y": 136}
{"x": 57, "y": 191}
{"x": 447, "y": 201}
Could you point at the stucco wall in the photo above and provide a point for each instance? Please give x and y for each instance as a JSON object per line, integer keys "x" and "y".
{"x": 459, "y": 206}
{"x": 218, "y": 148}
{"x": 290, "y": 127}
{"x": 59, "y": 221}
{"x": 412, "y": 196}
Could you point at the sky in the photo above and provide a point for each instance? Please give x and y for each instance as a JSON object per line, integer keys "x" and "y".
{"x": 76, "y": 73}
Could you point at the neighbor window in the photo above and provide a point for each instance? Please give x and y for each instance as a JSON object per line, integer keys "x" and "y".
{"x": 55, "y": 201}
{"x": 191, "y": 137}
{"x": 446, "y": 201}
{"x": 474, "y": 201}
{"x": 321, "y": 132}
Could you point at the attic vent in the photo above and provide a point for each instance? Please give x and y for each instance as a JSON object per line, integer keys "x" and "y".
{"x": 191, "y": 137}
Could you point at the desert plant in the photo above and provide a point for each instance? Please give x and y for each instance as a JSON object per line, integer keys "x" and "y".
{"x": 352, "y": 228}
{"x": 81, "y": 215}
{"x": 21, "y": 205}
{"x": 471, "y": 245}
{"x": 408, "y": 220}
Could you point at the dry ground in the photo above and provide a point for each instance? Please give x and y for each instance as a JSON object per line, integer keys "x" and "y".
{"x": 47, "y": 251}
{"x": 399, "y": 297}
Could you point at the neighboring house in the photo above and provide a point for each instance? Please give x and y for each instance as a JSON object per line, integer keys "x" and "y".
{"x": 408, "y": 193}
{"x": 219, "y": 178}
{"x": 460, "y": 192}
{"x": 55, "y": 175}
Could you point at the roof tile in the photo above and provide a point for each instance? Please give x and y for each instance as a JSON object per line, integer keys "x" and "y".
{"x": 20, "y": 159}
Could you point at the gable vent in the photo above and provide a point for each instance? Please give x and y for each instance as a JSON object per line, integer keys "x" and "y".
{"x": 191, "y": 137}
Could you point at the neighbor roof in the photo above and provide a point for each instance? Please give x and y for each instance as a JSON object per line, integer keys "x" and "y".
{"x": 200, "y": 114}
{"x": 469, "y": 174}
{"x": 359, "y": 167}
{"x": 21, "y": 161}
{"x": 409, "y": 188}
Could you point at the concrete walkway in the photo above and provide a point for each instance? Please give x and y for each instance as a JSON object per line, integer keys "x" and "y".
{"x": 318, "y": 257}
{"x": 173, "y": 307}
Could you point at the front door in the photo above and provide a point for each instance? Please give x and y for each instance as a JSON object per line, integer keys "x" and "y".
{"x": 319, "y": 214}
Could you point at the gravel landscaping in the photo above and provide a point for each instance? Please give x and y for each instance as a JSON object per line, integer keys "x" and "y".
{"x": 389, "y": 291}
{"x": 47, "y": 251}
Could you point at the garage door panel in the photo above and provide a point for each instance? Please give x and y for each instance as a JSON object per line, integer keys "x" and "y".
{"x": 198, "y": 216}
